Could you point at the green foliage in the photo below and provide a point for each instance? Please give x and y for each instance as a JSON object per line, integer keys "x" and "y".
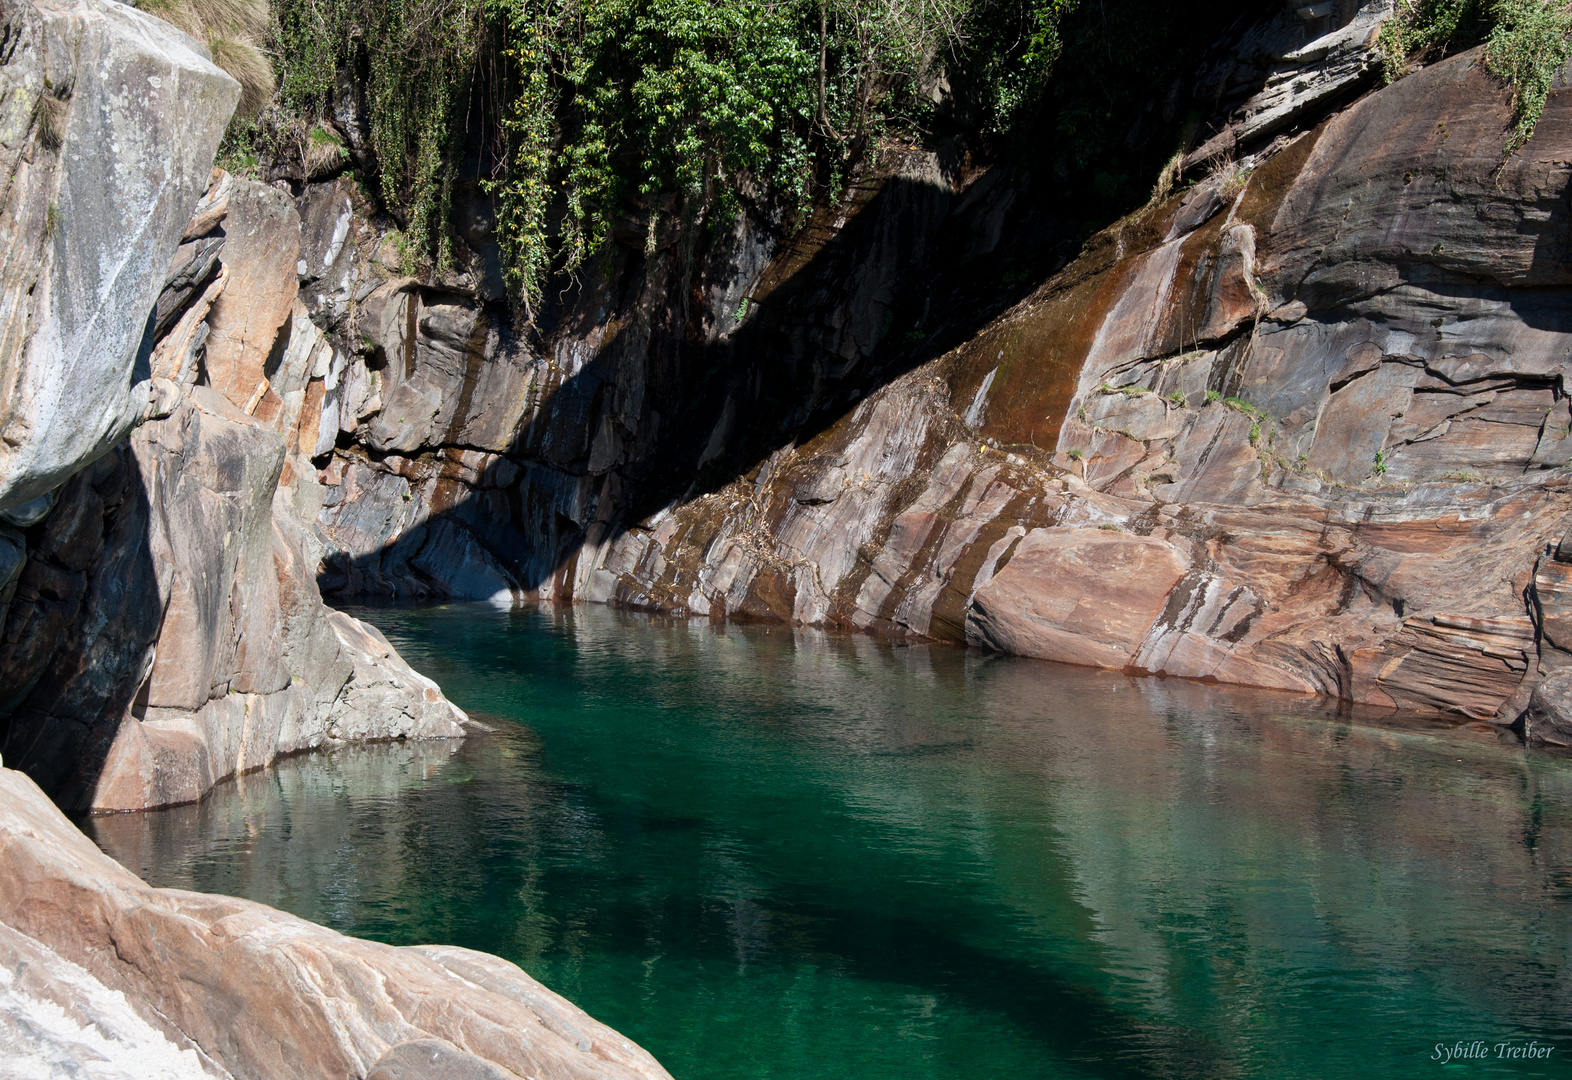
{"x": 1380, "y": 463}
{"x": 416, "y": 60}
{"x": 1528, "y": 45}
{"x": 674, "y": 110}
{"x": 657, "y": 113}
{"x": 1527, "y": 42}
{"x": 1420, "y": 30}
{"x": 1254, "y": 412}
{"x": 237, "y": 153}
{"x": 1010, "y": 49}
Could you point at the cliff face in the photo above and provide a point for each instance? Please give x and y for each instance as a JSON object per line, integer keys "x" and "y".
{"x": 1302, "y": 425}
{"x": 162, "y": 625}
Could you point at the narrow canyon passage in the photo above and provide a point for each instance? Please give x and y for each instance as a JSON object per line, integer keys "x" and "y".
{"x": 766, "y": 852}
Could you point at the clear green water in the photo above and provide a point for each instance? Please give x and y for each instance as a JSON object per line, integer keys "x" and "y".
{"x": 768, "y": 853}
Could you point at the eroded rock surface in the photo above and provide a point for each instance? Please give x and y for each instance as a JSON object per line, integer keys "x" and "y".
{"x": 253, "y": 993}
{"x": 58, "y": 1020}
{"x": 100, "y": 177}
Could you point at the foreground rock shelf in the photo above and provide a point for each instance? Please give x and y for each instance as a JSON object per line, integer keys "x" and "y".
{"x": 97, "y": 967}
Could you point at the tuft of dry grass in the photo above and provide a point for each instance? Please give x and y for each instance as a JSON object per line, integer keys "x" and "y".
{"x": 325, "y": 152}
{"x": 1168, "y": 179}
{"x": 234, "y": 32}
{"x": 250, "y": 67}
{"x": 49, "y": 114}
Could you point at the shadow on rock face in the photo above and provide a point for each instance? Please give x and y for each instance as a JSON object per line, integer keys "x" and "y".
{"x": 79, "y": 629}
{"x": 467, "y": 466}
{"x": 712, "y": 363}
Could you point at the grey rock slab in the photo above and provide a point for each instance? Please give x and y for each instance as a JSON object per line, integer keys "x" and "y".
{"x": 87, "y": 230}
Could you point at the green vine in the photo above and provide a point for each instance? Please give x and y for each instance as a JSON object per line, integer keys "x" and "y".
{"x": 415, "y": 60}
{"x": 1526, "y": 44}
{"x": 1527, "y": 47}
{"x": 660, "y": 114}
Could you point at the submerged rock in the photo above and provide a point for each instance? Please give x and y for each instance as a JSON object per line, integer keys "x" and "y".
{"x": 1548, "y": 719}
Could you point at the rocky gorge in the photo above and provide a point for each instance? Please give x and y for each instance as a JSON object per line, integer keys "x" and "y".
{"x": 1300, "y": 423}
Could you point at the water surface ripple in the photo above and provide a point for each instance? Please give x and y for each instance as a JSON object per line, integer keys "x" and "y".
{"x": 772, "y": 853}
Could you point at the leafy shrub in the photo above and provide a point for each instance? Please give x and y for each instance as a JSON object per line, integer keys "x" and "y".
{"x": 1527, "y": 47}
{"x": 667, "y": 112}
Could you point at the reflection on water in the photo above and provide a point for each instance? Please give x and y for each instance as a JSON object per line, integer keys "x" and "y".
{"x": 773, "y": 853}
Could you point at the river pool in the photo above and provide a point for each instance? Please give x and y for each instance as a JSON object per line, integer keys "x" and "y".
{"x": 774, "y": 853}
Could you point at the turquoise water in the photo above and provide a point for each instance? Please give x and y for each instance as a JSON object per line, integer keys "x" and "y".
{"x": 772, "y": 853}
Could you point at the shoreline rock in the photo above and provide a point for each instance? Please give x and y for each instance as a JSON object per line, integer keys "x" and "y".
{"x": 254, "y": 993}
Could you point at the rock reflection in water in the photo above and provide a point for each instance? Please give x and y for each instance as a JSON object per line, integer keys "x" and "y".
{"x": 768, "y": 852}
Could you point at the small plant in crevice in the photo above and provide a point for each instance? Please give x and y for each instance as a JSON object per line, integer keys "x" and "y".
{"x": 49, "y": 113}
{"x": 51, "y": 220}
{"x": 1168, "y": 178}
{"x": 1380, "y": 463}
{"x": 324, "y": 150}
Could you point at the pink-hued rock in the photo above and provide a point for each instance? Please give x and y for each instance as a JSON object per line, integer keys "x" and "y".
{"x": 261, "y": 994}
{"x": 261, "y": 250}
{"x": 1295, "y": 427}
{"x": 58, "y": 1020}
{"x": 1040, "y": 604}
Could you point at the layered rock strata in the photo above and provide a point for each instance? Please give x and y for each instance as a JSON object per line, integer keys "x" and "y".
{"x": 1303, "y": 425}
